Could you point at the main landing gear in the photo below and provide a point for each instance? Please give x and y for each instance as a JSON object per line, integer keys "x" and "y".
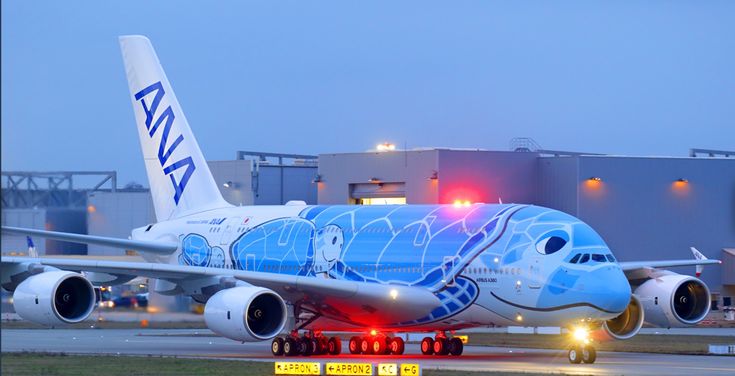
{"x": 441, "y": 345}
{"x": 309, "y": 344}
{"x": 377, "y": 344}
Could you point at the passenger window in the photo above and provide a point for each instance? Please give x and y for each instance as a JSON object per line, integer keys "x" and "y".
{"x": 598, "y": 257}
{"x": 585, "y": 258}
{"x": 575, "y": 258}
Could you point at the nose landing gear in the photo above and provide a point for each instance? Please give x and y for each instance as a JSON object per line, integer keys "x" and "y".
{"x": 582, "y": 353}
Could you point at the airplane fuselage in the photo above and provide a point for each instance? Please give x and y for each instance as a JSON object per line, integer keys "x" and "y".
{"x": 487, "y": 264}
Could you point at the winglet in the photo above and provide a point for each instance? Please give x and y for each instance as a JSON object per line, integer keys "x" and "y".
{"x": 699, "y": 256}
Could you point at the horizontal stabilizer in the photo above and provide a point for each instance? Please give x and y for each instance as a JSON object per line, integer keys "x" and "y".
{"x": 159, "y": 247}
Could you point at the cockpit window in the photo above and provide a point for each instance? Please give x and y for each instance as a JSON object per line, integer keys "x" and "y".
{"x": 610, "y": 258}
{"x": 598, "y": 257}
{"x": 552, "y": 242}
{"x": 585, "y": 258}
{"x": 575, "y": 258}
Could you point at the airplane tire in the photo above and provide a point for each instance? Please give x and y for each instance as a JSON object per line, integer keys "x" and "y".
{"x": 290, "y": 347}
{"x": 427, "y": 346}
{"x": 308, "y": 346}
{"x": 441, "y": 346}
{"x": 589, "y": 354}
{"x": 334, "y": 346}
{"x": 365, "y": 347}
{"x": 397, "y": 346}
{"x": 575, "y": 355}
{"x": 456, "y": 346}
{"x": 378, "y": 346}
{"x": 322, "y": 345}
{"x": 277, "y": 346}
{"x": 355, "y": 345}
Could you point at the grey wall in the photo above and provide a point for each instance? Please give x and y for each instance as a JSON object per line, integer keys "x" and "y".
{"x": 413, "y": 168}
{"x": 557, "y": 183}
{"x": 28, "y": 218}
{"x": 116, "y": 215}
{"x": 487, "y": 176}
{"x": 238, "y": 172}
{"x": 278, "y": 184}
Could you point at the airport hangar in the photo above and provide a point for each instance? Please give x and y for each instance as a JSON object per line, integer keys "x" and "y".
{"x": 646, "y": 208}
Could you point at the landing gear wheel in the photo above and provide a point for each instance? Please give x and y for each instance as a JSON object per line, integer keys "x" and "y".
{"x": 277, "y": 346}
{"x": 397, "y": 346}
{"x": 290, "y": 347}
{"x": 589, "y": 354}
{"x": 575, "y": 355}
{"x": 365, "y": 347}
{"x": 355, "y": 345}
{"x": 322, "y": 344}
{"x": 456, "y": 346}
{"x": 441, "y": 346}
{"x": 308, "y": 346}
{"x": 334, "y": 346}
{"x": 377, "y": 345}
{"x": 427, "y": 346}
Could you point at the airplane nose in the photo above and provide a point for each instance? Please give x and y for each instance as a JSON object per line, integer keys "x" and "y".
{"x": 610, "y": 290}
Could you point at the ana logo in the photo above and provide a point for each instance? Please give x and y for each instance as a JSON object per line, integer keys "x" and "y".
{"x": 164, "y": 149}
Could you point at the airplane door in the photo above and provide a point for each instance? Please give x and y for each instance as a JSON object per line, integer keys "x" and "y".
{"x": 448, "y": 270}
{"x": 250, "y": 262}
{"x": 230, "y": 227}
{"x": 535, "y": 274}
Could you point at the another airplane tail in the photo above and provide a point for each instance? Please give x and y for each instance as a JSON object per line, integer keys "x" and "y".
{"x": 180, "y": 180}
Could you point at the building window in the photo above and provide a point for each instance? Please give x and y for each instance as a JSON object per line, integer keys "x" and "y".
{"x": 726, "y": 301}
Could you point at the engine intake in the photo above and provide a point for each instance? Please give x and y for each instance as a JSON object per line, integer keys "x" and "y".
{"x": 674, "y": 300}
{"x": 628, "y": 323}
{"x": 55, "y": 297}
{"x": 246, "y": 313}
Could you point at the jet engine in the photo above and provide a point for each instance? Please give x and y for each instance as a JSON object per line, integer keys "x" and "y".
{"x": 54, "y": 297}
{"x": 628, "y": 323}
{"x": 246, "y": 313}
{"x": 674, "y": 300}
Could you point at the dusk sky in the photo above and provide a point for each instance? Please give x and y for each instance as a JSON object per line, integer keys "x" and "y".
{"x": 617, "y": 77}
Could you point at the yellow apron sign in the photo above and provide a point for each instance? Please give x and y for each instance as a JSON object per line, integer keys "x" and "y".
{"x": 348, "y": 368}
{"x": 463, "y": 338}
{"x": 410, "y": 369}
{"x": 298, "y": 368}
{"x": 387, "y": 369}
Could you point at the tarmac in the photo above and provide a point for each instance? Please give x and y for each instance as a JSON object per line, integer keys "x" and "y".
{"x": 203, "y": 343}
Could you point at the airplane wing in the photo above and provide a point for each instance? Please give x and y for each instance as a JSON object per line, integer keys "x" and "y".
{"x": 357, "y": 302}
{"x": 161, "y": 246}
{"x": 648, "y": 269}
{"x": 633, "y": 265}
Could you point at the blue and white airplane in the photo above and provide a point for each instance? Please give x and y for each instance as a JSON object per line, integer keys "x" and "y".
{"x": 290, "y": 273}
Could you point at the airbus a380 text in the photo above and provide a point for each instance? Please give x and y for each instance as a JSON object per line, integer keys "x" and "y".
{"x": 290, "y": 273}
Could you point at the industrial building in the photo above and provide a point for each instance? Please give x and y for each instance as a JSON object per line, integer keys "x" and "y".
{"x": 646, "y": 208}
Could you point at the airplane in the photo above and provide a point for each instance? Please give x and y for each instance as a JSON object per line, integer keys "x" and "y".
{"x": 291, "y": 273}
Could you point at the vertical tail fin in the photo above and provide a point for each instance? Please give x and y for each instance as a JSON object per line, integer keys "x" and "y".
{"x": 180, "y": 180}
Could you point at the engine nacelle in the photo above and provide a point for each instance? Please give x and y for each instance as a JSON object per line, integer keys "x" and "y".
{"x": 628, "y": 323}
{"x": 674, "y": 300}
{"x": 246, "y": 313}
{"x": 55, "y": 297}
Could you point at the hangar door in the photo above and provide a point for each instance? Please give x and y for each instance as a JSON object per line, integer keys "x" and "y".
{"x": 378, "y": 193}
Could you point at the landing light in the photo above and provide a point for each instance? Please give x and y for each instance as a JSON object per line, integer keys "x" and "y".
{"x": 581, "y": 334}
{"x": 394, "y": 294}
{"x": 373, "y": 332}
{"x": 386, "y": 146}
{"x": 519, "y": 317}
